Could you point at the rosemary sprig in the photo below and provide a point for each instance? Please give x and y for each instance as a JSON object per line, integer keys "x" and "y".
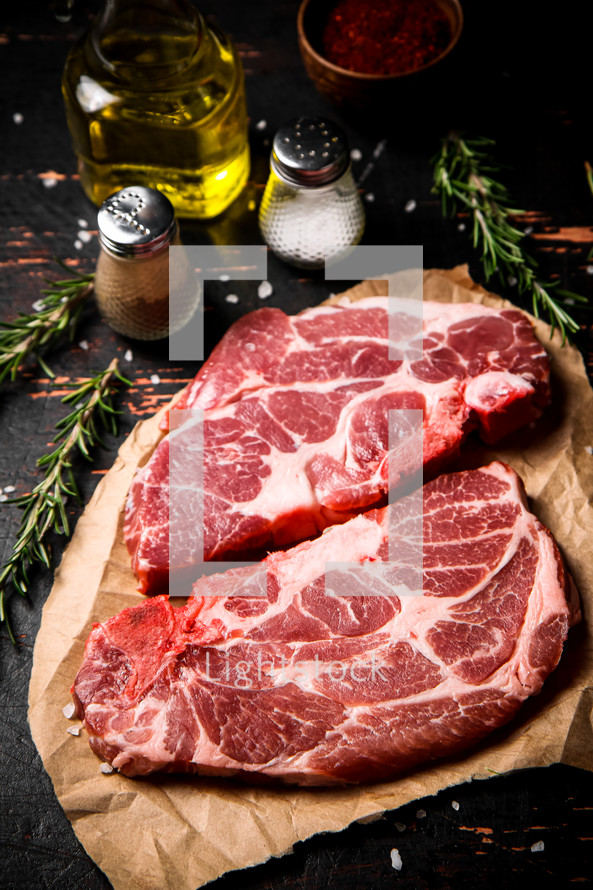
{"x": 44, "y": 508}
{"x": 58, "y": 312}
{"x": 464, "y": 174}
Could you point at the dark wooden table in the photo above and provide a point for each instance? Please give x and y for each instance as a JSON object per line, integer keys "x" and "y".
{"x": 516, "y": 78}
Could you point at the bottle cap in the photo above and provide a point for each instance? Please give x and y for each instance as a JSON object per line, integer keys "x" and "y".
{"x": 136, "y": 221}
{"x": 310, "y": 151}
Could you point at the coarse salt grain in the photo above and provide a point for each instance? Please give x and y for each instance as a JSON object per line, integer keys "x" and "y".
{"x": 84, "y": 344}
{"x": 3, "y": 498}
{"x": 38, "y": 306}
{"x": 420, "y": 814}
{"x": 589, "y": 270}
{"x": 265, "y": 290}
{"x": 224, "y": 277}
{"x": 588, "y": 449}
{"x": 461, "y": 227}
{"x": 261, "y": 125}
{"x": 379, "y": 148}
{"x": 78, "y": 244}
{"x": 356, "y": 154}
{"x": 250, "y": 347}
{"x": 106, "y": 768}
{"x": 528, "y": 230}
{"x": 569, "y": 301}
{"x": 410, "y": 206}
{"x": 369, "y": 197}
{"x": 154, "y": 378}
{"x": 18, "y": 117}
{"x": 9, "y": 488}
{"x": 50, "y": 182}
{"x": 73, "y": 730}
{"x": 232, "y": 298}
{"x": 511, "y": 281}
{"x": 84, "y": 236}
{"x": 68, "y": 710}
{"x": 396, "y": 860}
{"x": 455, "y": 804}
{"x": 128, "y": 355}
{"x": 537, "y": 847}
{"x": 82, "y": 224}
{"x": 400, "y": 826}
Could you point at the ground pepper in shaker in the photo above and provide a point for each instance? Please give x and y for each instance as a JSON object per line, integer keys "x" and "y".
{"x": 311, "y": 211}
{"x": 136, "y": 226}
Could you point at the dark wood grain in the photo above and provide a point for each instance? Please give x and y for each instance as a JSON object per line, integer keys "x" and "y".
{"x": 517, "y": 77}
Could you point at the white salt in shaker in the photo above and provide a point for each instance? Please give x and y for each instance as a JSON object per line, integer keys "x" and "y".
{"x": 136, "y": 226}
{"x": 311, "y": 211}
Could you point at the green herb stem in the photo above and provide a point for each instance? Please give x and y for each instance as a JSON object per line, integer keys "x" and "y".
{"x": 44, "y": 508}
{"x": 464, "y": 174}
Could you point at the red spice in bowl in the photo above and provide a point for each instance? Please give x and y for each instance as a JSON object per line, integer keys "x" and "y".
{"x": 386, "y": 37}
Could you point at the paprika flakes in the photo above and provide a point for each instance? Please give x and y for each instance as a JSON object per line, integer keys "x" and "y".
{"x": 385, "y": 37}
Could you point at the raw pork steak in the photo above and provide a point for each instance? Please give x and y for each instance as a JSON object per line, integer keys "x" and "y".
{"x": 313, "y": 688}
{"x": 295, "y": 433}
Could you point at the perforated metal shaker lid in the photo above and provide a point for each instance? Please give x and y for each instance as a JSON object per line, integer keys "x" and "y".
{"x": 310, "y": 151}
{"x": 136, "y": 221}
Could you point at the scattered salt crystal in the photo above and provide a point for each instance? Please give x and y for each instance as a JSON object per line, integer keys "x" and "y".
{"x": 588, "y": 449}
{"x": 68, "y": 710}
{"x": 251, "y": 205}
{"x": 420, "y": 814}
{"x": 9, "y": 489}
{"x": 50, "y": 182}
{"x": 106, "y": 768}
{"x": 400, "y": 826}
{"x": 265, "y": 290}
{"x": 38, "y": 305}
{"x": 154, "y": 378}
{"x": 569, "y": 301}
{"x": 410, "y": 206}
{"x": 232, "y": 298}
{"x": 261, "y": 125}
{"x": 78, "y": 406}
{"x": 461, "y": 227}
{"x": 455, "y": 804}
{"x": 369, "y": 197}
{"x": 84, "y": 344}
{"x": 84, "y": 236}
{"x": 379, "y": 148}
{"x": 224, "y": 277}
{"x": 537, "y": 847}
{"x": 589, "y": 270}
{"x": 511, "y": 281}
{"x": 396, "y": 860}
{"x": 128, "y": 355}
{"x": 3, "y": 498}
{"x": 356, "y": 154}
{"x": 18, "y": 117}
{"x": 73, "y": 730}
{"x": 528, "y": 230}
{"x": 78, "y": 244}
{"x": 82, "y": 224}
{"x": 250, "y": 347}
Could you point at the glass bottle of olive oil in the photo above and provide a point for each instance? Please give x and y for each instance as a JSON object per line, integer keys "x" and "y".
{"x": 154, "y": 96}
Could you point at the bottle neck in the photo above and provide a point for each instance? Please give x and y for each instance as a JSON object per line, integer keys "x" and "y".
{"x": 139, "y": 41}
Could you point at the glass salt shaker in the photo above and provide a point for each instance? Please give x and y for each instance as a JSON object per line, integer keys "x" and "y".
{"x": 311, "y": 211}
{"x": 136, "y": 226}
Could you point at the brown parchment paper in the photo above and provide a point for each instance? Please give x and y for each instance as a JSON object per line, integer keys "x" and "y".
{"x": 175, "y": 833}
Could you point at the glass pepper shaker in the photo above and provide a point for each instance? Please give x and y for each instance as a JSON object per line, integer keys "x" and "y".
{"x": 311, "y": 211}
{"x": 136, "y": 226}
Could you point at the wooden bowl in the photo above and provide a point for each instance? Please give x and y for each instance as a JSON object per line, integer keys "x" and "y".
{"x": 367, "y": 91}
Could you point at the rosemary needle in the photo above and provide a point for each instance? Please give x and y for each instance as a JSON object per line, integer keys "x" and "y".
{"x": 464, "y": 174}
{"x": 57, "y": 313}
{"x": 44, "y": 508}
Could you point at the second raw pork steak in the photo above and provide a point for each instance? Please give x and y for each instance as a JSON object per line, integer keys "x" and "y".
{"x": 295, "y": 432}
{"x": 312, "y": 688}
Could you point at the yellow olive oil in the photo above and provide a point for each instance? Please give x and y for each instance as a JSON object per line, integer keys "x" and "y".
{"x": 156, "y": 97}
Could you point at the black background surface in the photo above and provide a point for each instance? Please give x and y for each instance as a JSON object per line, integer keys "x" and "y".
{"x": 520, "y": 75}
